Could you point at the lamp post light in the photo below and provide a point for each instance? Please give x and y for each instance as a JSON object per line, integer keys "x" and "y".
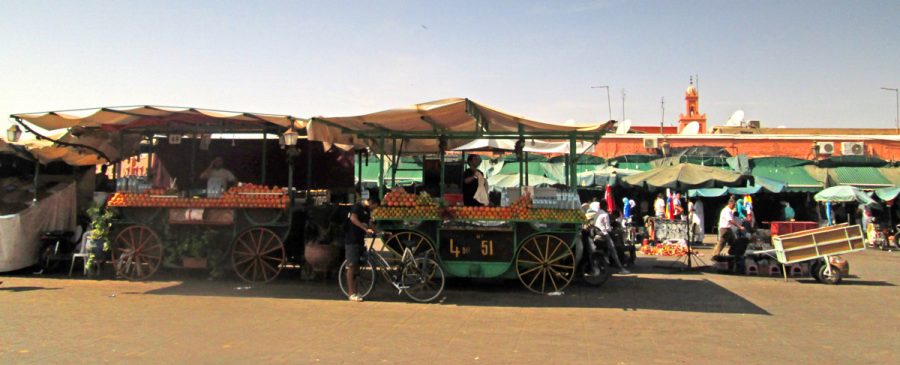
{"x": 608, "y": 102}
{"x": 897, "y": 93}
{"x": 13, "y": 133}
{"x": 290, "y": 137}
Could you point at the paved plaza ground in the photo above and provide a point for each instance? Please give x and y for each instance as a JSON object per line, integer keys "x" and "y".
{"x": 651, "y": 317}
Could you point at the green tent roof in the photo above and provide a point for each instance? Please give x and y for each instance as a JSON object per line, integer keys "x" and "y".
{"x": 892, "y": 174}
{"x": 863, "y": 177}
{"x": 795, "y": 178}
{"x": 778, "y": 162}
{"x": 858, "y": 161}
{"x": 583, "y": 159}
{"x": 408, "y": 171}
{"x": 886, "y": 194}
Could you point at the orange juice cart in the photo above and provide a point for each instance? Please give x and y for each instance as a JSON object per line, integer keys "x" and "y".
{"x": 533, "y": 237}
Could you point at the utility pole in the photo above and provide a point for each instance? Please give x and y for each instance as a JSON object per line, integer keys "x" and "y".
{"x": 897, "y": 93}
{"x": 608, "y": 103}
{"x": 662, "y": 113}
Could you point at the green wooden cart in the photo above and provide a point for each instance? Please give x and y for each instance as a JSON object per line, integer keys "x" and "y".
{"x": 542, "y": 254}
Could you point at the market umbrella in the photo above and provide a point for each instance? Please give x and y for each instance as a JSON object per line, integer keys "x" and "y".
{"x": 844, "y": 194}
{"x": 685, "y": 176}
{"x": 886, "y": 194}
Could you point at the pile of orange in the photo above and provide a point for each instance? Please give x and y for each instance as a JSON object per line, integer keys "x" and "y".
{"x": 400, "y": 199}
{"x": 410, "y": 213}
{"x": 237, "y": 197}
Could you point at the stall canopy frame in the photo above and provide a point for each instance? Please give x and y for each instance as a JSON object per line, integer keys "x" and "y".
{"x": 442, "y": 125}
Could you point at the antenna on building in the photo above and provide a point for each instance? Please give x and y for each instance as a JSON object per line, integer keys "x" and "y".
{"x": 623, "y": 104}
{"x": 662, "y": 114}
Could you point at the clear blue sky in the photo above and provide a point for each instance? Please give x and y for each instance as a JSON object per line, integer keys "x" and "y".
{"x": 794, "y": 63}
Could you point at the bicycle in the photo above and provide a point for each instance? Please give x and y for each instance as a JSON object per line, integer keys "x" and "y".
{"x": 421, "y": 278}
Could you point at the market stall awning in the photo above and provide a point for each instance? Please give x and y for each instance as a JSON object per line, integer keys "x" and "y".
{"x": 504, "y": 180}
{"x": 408, "y": 171}
{"x": 844, "y": 194}
{"x": 887, "y": 194}
{"x": 154, "y": 118}
{"x": 892, "y": 174}
{"x": 634, "y": 162}
{"x": 531, "y": 146}
{"x": 685, "y": 176}
{"x": 795, "y": 178}
{"x": 759, "y": 184}
{"x": 89, "y": 148}
{"x": 112, "y": 124}
{"x": 861, "y": 177}
{"x": 419, "y": 127}
{"x": 778, "y": 162}
{"x": 15, "y": 150}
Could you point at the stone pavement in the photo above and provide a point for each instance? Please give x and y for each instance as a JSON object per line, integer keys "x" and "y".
{"x": 653, "y": 316}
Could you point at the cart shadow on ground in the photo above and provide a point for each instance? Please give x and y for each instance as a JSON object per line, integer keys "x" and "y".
{"x": 625, "y": 292}
{"x": 652, "y": 287}
{"x": 18, "y": 289}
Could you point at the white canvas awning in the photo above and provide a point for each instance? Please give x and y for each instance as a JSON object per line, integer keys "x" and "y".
{"x": 148, "y": 117}
{"x": 419, "y": 126}
{"x": 531, "y": 145}
{"x": 116, "y": 132}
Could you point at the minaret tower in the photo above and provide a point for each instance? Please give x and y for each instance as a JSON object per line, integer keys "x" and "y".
{"x": 692, "y": 109}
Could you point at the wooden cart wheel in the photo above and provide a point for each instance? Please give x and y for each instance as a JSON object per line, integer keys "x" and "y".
{"x": 545, "y": 264}
{"x": 257, "y": 255}
{"x": 137, "y": 252}
{"x": 419, "y": 244}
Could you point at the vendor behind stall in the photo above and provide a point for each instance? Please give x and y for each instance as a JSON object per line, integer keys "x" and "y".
{"x": 475, "y": 187}
{"x": 217, "y": 178}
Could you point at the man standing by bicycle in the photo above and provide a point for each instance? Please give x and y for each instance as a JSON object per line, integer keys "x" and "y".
{"x": 360, "y": 219}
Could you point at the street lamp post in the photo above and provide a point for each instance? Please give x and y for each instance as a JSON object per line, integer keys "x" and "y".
{"x": 608, "y": 102}
{"x": 897, "y": 93}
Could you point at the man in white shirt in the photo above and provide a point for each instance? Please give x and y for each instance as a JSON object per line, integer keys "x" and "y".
{"x": 602, "y": 222}
{"x": 660, "y": 206}
{"x": 726, "y": 223}
{"x": 217, "y": 178}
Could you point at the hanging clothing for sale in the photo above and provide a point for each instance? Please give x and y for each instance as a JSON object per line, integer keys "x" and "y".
{"x": 610, "y": 200}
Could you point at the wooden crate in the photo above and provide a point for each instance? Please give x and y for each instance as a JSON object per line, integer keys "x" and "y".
{"x": 814, "y": 243}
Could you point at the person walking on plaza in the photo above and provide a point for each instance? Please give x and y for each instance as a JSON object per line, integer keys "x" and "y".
{"x": 360, "y": 219}
{"x": 695, "y": 216}
{"x": 726, "y": 223}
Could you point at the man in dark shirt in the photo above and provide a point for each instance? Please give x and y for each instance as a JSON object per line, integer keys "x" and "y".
{"x": 360, "y": 219}
{"x": 471, "y": 180}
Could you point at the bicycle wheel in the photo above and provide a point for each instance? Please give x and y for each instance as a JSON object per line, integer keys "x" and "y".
{"x": 424, "y": 278}
{"x": 365, "y": 278}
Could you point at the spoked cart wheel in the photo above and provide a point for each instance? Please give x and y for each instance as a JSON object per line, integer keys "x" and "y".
{"x": 136, "y": 252}
{"x": 545, "y": 264}
{"x": 257, "y": 255}
{"x": 419, "y": 244}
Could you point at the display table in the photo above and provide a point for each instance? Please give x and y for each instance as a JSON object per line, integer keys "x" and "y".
{"x": 781, "y": 228}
